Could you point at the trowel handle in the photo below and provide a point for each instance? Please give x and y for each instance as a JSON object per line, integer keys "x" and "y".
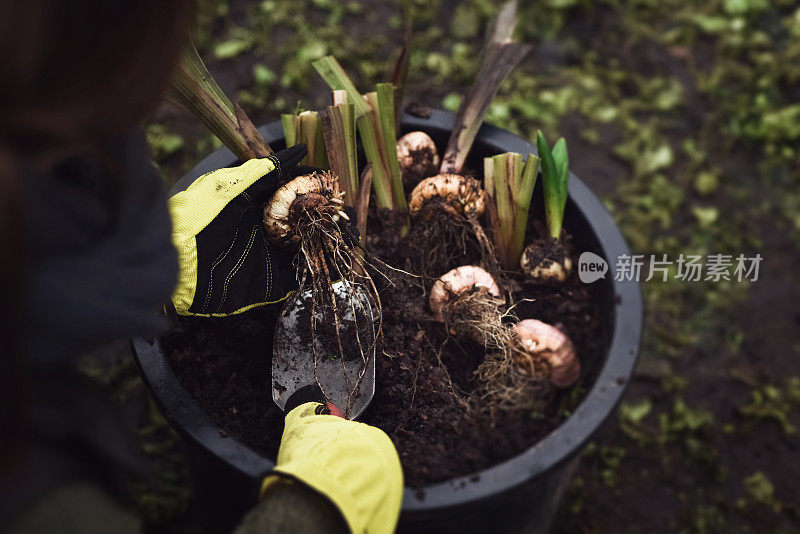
{"x": 312, "y": 393}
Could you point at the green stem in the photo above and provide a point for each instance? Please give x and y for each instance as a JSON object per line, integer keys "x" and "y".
{"x": 375, "y": 119}
{"x": 289, "y": 128}
{"x": 306, "y": 128}
{"x": 522, "y": 200}
{"x": 338, "y": 80}
{"x": 339, "y": 130}
{"x": 194, "y": 88}
{"x": 386, "y": 111}
{"x": 370, "y": 140}
{"x": 368, "y": 123}
{"x": 509, "y": 185}
{"x": 310, "y": 133}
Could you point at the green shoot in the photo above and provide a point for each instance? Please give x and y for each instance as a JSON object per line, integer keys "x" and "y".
{"x": 509, "y": 185}
{"x": 339, "y": 130}
{"x": 555, "y": 174}
{"x": 194, "y": 88}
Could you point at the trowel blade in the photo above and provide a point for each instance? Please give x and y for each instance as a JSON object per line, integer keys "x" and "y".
{"x": 293, "y": 353}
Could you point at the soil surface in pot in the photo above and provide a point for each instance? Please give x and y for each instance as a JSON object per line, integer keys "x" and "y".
{"x": 424, "y": 378}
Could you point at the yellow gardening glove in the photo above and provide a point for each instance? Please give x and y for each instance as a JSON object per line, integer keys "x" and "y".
{"x": 225, "y": 264}
{"x": 353, "y": 464}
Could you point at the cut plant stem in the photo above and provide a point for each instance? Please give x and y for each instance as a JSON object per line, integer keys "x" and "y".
{"x": 339, "y": 131}
{"x": 289, "y": 123}
{"x": 306, "y": 128}
{"x": 362, "y": 202}
{"x": 338, "y": 80}
{"x": 362, "y": 209}
{"x": 383, "y": 127}
{"x": 340, "y": 97}
{"x": 499, "y": 58}
{"x": 194, "y": 88}
{"x": 509, "y": 186}
{"x": 375, "y": 118}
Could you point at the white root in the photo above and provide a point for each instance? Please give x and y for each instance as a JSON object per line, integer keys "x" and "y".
{"x": 457, "y": 281}
{"x": 276, "y": 222}
{"x": 416, "y": 143}
{"x": 461, "y": 193}
{"x": 541, "y": 341}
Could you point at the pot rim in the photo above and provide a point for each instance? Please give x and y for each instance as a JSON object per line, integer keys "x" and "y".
{"x": 558, "y": 446}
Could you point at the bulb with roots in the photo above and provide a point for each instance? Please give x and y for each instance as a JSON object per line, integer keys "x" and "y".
{"x": 546, "y": 262}
{"x": 458, "y": 195}
{"x": 418, "y": 157}
{"x": 541, "y": 349}
{"x": 306, "y": 212}
{"x": 467, "y": 300}
{"x": 445, "y": 210}
{"x": 303, "y": 200}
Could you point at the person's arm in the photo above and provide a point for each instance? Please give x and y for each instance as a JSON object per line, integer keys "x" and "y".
{"x": 332, "y": 475}
{"x": 289, "y": 506}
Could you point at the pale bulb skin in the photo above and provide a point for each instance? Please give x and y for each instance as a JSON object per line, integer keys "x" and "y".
{"x": 542, "y": 341}
{"x": 552, "y": 273}
{"x": 459, "y": 280}
{"x": 277, "y": 226}
{"x": 461, "y": 193}
{"x": 415, "y": 142}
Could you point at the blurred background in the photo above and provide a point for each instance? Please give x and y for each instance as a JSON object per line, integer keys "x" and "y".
{"x": 684, "y": 117}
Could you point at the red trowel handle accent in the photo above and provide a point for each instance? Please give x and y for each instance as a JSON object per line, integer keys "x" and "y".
{"x": 312, "y": 393}
{"x": 334, "y": 410}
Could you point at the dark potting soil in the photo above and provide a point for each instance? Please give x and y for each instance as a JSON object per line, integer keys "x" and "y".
{"x": 421, "y": 167}
{"x": 546, "y": 251}
{"x": 424, "y": 378}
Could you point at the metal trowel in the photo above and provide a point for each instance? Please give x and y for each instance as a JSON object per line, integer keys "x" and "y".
{"x": 348, "y": 383}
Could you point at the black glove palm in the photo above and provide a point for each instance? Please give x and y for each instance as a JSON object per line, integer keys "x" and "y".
{"x": 226, "y": 265}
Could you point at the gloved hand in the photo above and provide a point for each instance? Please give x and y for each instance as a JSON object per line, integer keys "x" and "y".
{"x": 225, "y": 264}
{"x": 353, "y": 464}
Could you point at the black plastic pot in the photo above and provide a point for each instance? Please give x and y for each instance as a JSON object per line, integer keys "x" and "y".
{"x": 519, "y": 495}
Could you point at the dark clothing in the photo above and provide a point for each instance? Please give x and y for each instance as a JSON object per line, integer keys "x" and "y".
{"x": 101, "y": 258}
{"x": 101, "y": 264}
